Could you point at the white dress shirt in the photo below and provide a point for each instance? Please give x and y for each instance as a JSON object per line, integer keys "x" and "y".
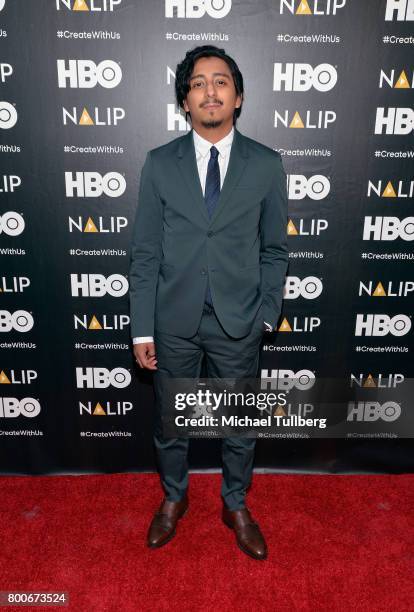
{"x": 202, "y": 151}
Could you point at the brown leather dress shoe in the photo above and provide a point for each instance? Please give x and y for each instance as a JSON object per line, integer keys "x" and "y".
{"x": 248, "y": 535}
{"x": 163, "y": 524}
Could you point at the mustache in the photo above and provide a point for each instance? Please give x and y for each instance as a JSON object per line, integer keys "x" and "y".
{"x": 211, "y": 102}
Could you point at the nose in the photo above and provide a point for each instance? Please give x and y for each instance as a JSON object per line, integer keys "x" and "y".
{"x": 211, "y": 89}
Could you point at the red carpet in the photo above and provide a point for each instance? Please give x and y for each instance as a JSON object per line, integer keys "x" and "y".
{"x": 335, "y": 543}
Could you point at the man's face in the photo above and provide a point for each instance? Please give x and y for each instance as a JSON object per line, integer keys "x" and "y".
{"x": 212, "y": 97}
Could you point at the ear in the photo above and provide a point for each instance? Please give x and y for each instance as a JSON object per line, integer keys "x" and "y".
{"x": 185, "y": 105}
{"x": 239, "y": 101}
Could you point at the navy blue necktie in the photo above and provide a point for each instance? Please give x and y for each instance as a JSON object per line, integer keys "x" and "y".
{"x": 211, "y": 195}
{"x": 212, "y": 190}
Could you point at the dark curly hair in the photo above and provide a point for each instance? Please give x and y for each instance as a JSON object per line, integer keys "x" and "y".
{"x": 185, "y": 69}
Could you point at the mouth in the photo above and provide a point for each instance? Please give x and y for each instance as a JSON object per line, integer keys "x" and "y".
{"x": 211, "y": 105}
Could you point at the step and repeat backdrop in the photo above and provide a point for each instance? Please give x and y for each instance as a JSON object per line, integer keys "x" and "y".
{"x": 86, "y": 89}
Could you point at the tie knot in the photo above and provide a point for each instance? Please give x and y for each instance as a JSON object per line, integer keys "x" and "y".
{"x": 213, "y": 152}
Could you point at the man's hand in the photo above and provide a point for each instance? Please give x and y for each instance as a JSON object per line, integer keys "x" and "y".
{"x": 145, "y": 355}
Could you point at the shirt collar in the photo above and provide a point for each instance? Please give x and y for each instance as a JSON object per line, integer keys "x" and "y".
{"x": 203, "y": 146}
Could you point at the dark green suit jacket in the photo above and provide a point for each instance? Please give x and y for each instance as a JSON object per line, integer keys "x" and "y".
{"x": 175, "y": 246}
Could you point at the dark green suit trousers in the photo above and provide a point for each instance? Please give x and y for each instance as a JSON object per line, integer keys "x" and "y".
{"x": 226, "y": 357}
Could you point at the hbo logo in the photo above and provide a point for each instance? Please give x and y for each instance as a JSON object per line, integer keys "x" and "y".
{"x": 402, "y": 10}
{"x": 96, "y": 285}
{"x": 93, "y": 184}
{"x": 301, "y": 77}
{"x": 315, "y": 187}
{"x": 20, "y": 320}
{"x": 11, "y": 407}
{"x": 191, "y": 9}
{"x": 382, "y": 324}
{"x": 8, "y": 115}
{"x": 388, "y": 228}
{"x": 372, "y": 411}
{"x": 11, "y": 223}
{"x": 85, "y": 74}
{"x": 101, "y": 378}
{"x": 309, "y": 287}
{"x": 287, "y": 379}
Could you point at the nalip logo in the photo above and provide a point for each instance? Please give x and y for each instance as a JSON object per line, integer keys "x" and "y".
{"x": 88, "y": 6}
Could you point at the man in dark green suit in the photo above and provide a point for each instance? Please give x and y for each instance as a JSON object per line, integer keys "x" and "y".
{"x": 208, "y": 264}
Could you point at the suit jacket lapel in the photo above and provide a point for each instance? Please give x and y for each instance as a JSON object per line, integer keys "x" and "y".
{"x": 188, "y": 165}
{"x": 235, "y": 169}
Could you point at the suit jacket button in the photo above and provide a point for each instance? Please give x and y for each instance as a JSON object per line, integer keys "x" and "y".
{"x": 209, "y": 234}
{"x": 203, "y": 270}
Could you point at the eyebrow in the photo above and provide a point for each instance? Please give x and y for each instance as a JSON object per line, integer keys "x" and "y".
{"x": 197, "y": 76}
